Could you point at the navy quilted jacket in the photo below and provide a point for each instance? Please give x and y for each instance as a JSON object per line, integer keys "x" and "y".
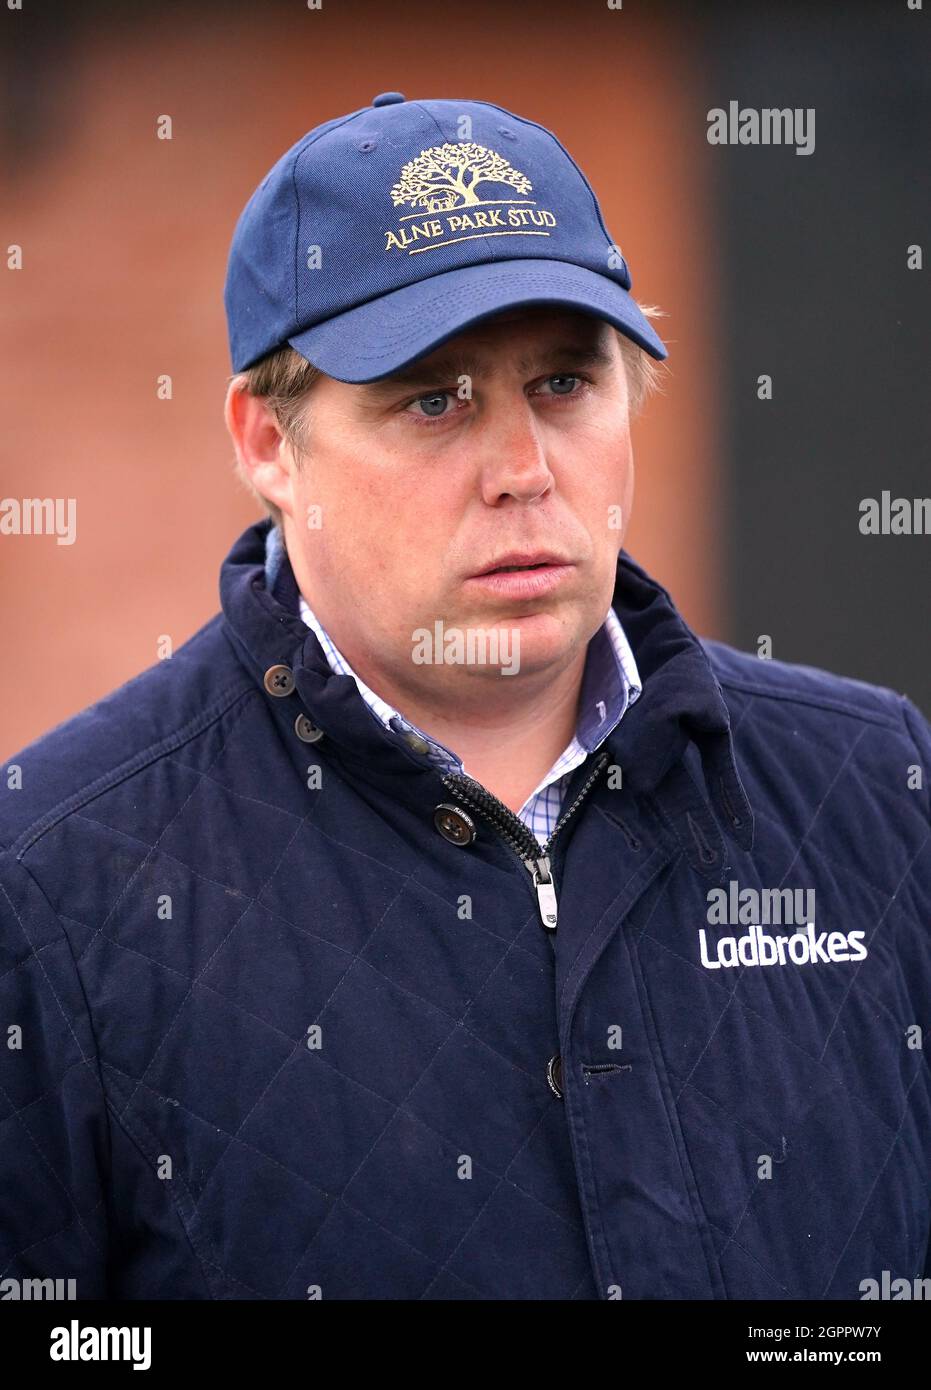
{"x": 282, "y": 1018}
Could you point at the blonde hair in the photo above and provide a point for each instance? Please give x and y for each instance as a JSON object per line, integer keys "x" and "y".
{"x": 284, "y": 379}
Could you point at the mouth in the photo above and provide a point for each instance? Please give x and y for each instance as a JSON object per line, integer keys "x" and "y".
{"x": 517, "y": 564}
{"x": 518, "y": 578}
{"x": 513, "y": 569}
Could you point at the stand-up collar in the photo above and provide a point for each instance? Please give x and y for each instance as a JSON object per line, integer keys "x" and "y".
{"x": 682, "y": 703}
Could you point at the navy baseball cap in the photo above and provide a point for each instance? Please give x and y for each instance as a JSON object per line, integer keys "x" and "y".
{"x": 381, "y": 234}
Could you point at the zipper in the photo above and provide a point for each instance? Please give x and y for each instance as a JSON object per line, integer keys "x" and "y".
{"x": 534, "y": 856}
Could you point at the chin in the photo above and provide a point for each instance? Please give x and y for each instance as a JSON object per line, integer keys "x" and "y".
{"x": 544, "y": 638}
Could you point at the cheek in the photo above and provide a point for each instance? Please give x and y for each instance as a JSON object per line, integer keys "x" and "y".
{"x": 617, "y": 475}
{"x": 619, "y": 508}
{"x": 628, "y": 484}
{"x": 604, "y": 488}
{"x": 381, "y": 534}
{"x": 333, "y": 510}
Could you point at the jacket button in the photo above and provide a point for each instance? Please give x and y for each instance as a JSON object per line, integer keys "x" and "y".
{"x": 419, "y": 745}
{"x": 279, "y": 681}
{"x": 454, "y": 825}
{"x": 554, "y": 1075}
{"x": 306, "y": 730}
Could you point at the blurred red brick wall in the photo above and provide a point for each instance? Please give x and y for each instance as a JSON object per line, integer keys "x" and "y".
{"x": 125, "y": 239}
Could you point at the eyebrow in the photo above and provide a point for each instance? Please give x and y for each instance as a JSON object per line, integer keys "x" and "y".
{"x": 452, "y": 365}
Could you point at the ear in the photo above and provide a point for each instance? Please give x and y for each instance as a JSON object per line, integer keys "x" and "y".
{"x": 262, "y": 452}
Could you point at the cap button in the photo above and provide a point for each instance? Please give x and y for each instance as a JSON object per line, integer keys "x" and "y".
{"x": 388, "y": 98}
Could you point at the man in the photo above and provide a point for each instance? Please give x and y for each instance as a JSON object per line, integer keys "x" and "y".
{"x": 445, "y": 920}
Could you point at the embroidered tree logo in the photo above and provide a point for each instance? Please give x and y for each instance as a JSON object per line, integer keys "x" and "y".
{"x": 447, "y": 176}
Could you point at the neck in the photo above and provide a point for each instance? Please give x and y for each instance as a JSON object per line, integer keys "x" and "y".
{"x": 508, "y": 750}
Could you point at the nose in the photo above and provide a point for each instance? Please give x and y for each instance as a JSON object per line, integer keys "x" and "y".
{"x": 513, "y": 459}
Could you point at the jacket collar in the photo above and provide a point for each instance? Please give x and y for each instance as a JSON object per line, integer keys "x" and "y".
{"x": 681, "y": 713}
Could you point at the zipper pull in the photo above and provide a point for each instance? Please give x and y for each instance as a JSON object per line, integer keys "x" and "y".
{"x": 546, "y": 892}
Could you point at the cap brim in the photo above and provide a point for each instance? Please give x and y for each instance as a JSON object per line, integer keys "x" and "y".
{"x": 382, "y": 336}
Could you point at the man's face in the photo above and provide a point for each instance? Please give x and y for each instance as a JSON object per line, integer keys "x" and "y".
{"x": 420, "y": 487}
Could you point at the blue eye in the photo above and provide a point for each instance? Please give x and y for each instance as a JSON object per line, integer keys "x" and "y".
{"x": 564, "y": 378}
{"x": 434, "y": 404}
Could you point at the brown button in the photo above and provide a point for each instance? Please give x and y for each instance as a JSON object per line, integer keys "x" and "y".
{"x": 454, "y": 825}
{"x": 279, "y": 681}
{"x": 306, "y": 730}
{"x": 554, "y": 1075}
